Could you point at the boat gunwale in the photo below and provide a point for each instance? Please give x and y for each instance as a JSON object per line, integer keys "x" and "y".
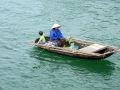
{"x": 65, "y": 50}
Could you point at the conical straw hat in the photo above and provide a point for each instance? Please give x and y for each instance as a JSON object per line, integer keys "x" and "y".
{"x": 56, "y": 26}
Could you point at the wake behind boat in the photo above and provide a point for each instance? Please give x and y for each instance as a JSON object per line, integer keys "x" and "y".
{"x": 87, "y": 50}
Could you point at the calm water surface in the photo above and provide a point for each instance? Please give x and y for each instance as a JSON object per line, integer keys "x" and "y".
{"x": 24, "y": 67}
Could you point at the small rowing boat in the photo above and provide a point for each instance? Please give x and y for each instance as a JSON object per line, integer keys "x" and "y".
{"x": 87, "y": 50}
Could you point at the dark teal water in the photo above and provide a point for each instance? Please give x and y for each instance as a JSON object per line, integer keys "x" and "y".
{"x": 24, "y": 67}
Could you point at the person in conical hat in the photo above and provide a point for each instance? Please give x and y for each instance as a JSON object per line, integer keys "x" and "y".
{"x": 55, "y": 33}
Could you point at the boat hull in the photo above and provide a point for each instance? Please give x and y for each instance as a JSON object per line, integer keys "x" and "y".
{"x": 75, "y": 53}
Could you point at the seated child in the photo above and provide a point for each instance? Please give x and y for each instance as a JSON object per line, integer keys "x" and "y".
{"x": 41, "y": 38}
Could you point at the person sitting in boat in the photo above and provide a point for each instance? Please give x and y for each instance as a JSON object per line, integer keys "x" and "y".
{"x": 55, "y": 34}
{"x": 41, "y": 38}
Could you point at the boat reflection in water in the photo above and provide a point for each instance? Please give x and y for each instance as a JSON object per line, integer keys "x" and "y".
{"x": 101, "y": 67}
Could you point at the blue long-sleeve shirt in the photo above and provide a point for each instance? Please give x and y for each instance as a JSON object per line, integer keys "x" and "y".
{"x": 54, "y": 34}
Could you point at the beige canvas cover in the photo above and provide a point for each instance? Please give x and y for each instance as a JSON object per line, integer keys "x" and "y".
{"x": 92, "y": 48}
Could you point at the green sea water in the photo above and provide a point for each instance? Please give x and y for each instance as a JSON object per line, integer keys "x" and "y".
{"x": 25, "y": 67}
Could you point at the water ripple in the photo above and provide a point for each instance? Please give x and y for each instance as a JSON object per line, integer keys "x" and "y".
{"x": 26, "y": 68}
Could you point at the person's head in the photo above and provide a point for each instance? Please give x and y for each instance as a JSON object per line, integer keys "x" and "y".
{"x": 56, "y": 26}
{"x": 40, "y": 33}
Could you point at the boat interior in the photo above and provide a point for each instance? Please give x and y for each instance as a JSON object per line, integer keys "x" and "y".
{"x": 85, "y": 46}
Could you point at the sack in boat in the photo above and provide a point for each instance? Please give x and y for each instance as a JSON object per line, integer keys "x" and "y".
{"x": 73, "y": 46}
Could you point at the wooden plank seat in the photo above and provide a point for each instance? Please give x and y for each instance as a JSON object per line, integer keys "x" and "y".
{"x": 92, "y": 48}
